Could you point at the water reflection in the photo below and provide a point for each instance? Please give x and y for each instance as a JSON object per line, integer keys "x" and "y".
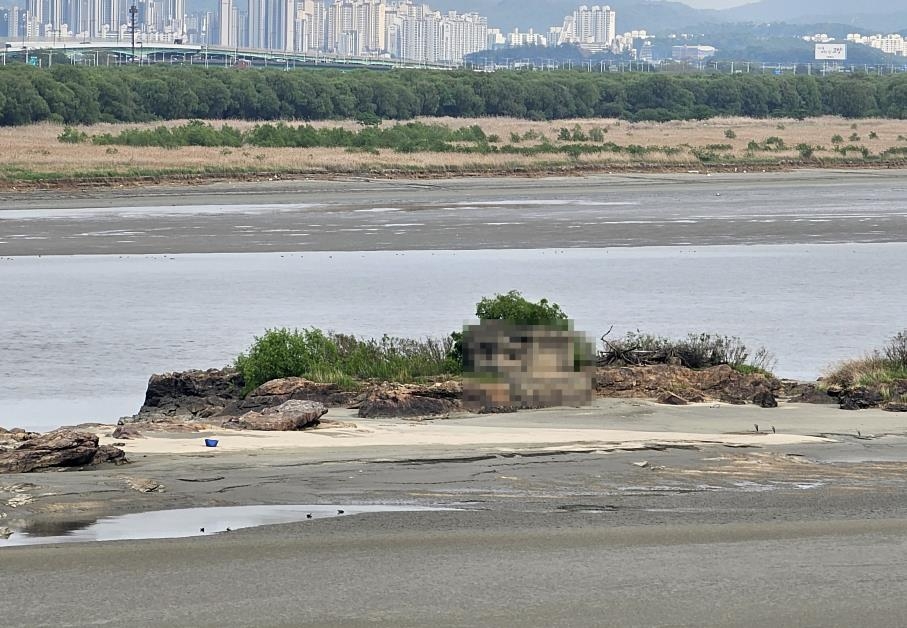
{"x": 167, "y": 524}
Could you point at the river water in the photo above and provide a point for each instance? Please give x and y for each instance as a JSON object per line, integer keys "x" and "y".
{"x": 810, "y": 266}
{"x": 82, "y": 334}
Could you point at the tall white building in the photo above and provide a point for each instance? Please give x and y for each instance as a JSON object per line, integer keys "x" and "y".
{"x": 225, "y": 28}
{"x": 593, "y": 28}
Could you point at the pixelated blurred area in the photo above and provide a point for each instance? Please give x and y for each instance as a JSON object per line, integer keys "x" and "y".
{"x": 509, "y": 367}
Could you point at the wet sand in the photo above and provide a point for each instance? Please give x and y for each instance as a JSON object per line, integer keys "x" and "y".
{"x": 667, "y": 533}
{"x": 468, "y": 213}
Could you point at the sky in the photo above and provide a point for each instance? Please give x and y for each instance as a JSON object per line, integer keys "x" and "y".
{"x": 714, "y": 4}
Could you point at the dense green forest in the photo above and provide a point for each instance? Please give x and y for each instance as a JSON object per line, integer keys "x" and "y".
{"x": 83, "y": 95}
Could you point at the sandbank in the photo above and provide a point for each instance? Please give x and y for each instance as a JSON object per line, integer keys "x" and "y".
{"x": 607, "y": 425}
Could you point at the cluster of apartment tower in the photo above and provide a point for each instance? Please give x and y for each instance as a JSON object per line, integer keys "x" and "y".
{"x": 402, "y": 29}
{"x": 157, "y": 20}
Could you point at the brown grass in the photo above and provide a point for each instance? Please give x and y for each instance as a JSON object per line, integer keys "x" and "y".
{"x": 34, "y": 151}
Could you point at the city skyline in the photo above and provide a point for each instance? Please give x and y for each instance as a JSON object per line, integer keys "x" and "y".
{"x": 387, "y": 29}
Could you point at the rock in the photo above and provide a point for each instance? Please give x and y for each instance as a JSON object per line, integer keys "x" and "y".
{"x": 765, "y": 399}
{"x": 188, "y": 395}
{"x": 144, "y": 485}
{"x": 60, "y": 448}
{"x": 4, "y": 431}
{"x": 718, "y": 383}
{"x": 859, "y": 398}
{"x": 127, "y": 432}
{"x": 277, "y": 391}
{"x": 5, "y": 532}
{"x": 109, "y": 453}
{"x": 808, "y": 393}
{"x": 895, "y": 407}
{"x": 671, "y": 399}
{"x": 411, "y": 400}
{"x": 289, "y": 416}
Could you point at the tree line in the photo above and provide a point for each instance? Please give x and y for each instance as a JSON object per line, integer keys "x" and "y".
{"x": 86, "y": 95}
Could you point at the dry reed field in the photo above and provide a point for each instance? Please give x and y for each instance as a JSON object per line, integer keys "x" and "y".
{"x": 34, "y": 154}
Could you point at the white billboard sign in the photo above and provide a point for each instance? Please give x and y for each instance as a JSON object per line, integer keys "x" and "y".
{"x": 831, "y": 52}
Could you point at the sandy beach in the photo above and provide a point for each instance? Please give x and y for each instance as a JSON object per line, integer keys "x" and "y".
{"x": 652, "y": 515}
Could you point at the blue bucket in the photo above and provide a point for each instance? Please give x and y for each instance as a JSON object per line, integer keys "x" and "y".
{"x": 210, "y": 442}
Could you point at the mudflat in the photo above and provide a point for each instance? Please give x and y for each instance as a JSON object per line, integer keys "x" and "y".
{"x": 683, "y": 516}
{"x": 356, "y": 214}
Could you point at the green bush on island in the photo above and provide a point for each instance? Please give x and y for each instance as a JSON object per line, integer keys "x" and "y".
{"x": 514, "y": 308}
{"x": 341, "y": 359}
{"x": 878, "y": 370}
{"x": 696, "y": 351}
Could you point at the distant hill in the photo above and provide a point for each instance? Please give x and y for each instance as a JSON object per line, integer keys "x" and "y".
{"x": 661, "y": 16}
{"x": 653, "y": 15}
{"x": 881, "y": 15}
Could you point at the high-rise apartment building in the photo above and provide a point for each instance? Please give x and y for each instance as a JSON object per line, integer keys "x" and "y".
{"x": 594, "y": 27}
{"x": 405, "y": 29}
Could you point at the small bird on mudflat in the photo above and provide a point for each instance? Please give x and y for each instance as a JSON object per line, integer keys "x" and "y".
{"x": 228, "y": 530}
{"x": 339, "y": 512}
{"x": 201, "y": 530}
{"x": 308, "y": 516}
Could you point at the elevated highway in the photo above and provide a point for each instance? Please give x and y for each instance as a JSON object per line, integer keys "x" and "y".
{"x": 44, "y": 53}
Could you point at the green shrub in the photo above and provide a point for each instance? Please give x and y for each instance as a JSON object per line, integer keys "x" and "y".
{"x": 597, "y": 134}
{"x": 514, "y": 308}
{"x": 695, "y": 351}
{"x": 341, "y": 359}
{"x": 730, "y": 134}
{"x": 72, "y": 136}
{"x": 896, "y": 350}
{"x": 577, "y": 135}
{"x": 854, "y": 137}
{"x": 837, "y": 139}
{"x": 806, "y": 151}
{"x": 774, "y": 143}
{"x": 873, "y": 135}
{"x": 884, "y": 370}
{"x": 367, "y": 118}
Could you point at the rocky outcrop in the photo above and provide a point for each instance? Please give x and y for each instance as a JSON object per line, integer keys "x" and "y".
{"x": 670, "y": 399}
{"x": 15, "y": 436}
{"x": 895, "y": 407}
{"x": 212, "y": 396}
{"x": 764, "y": 398}
{"x": 411, "y": 400}
{"x": 289, "y": 416}
{"x": 800, "y": 392}
{"x": 718, "y": 383}
{"x": 859, "y": 398}
{"x": 188, "y": 395}
{"x": 60, "y": 448}
{"x": 127, "y": 432}
{"x": 277, "y": 391}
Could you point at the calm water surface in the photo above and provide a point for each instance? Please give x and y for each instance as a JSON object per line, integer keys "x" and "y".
{"x": 82, "y": 334}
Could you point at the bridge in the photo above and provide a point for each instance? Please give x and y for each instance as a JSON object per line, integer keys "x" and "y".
{"x": 107, "y": 53}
